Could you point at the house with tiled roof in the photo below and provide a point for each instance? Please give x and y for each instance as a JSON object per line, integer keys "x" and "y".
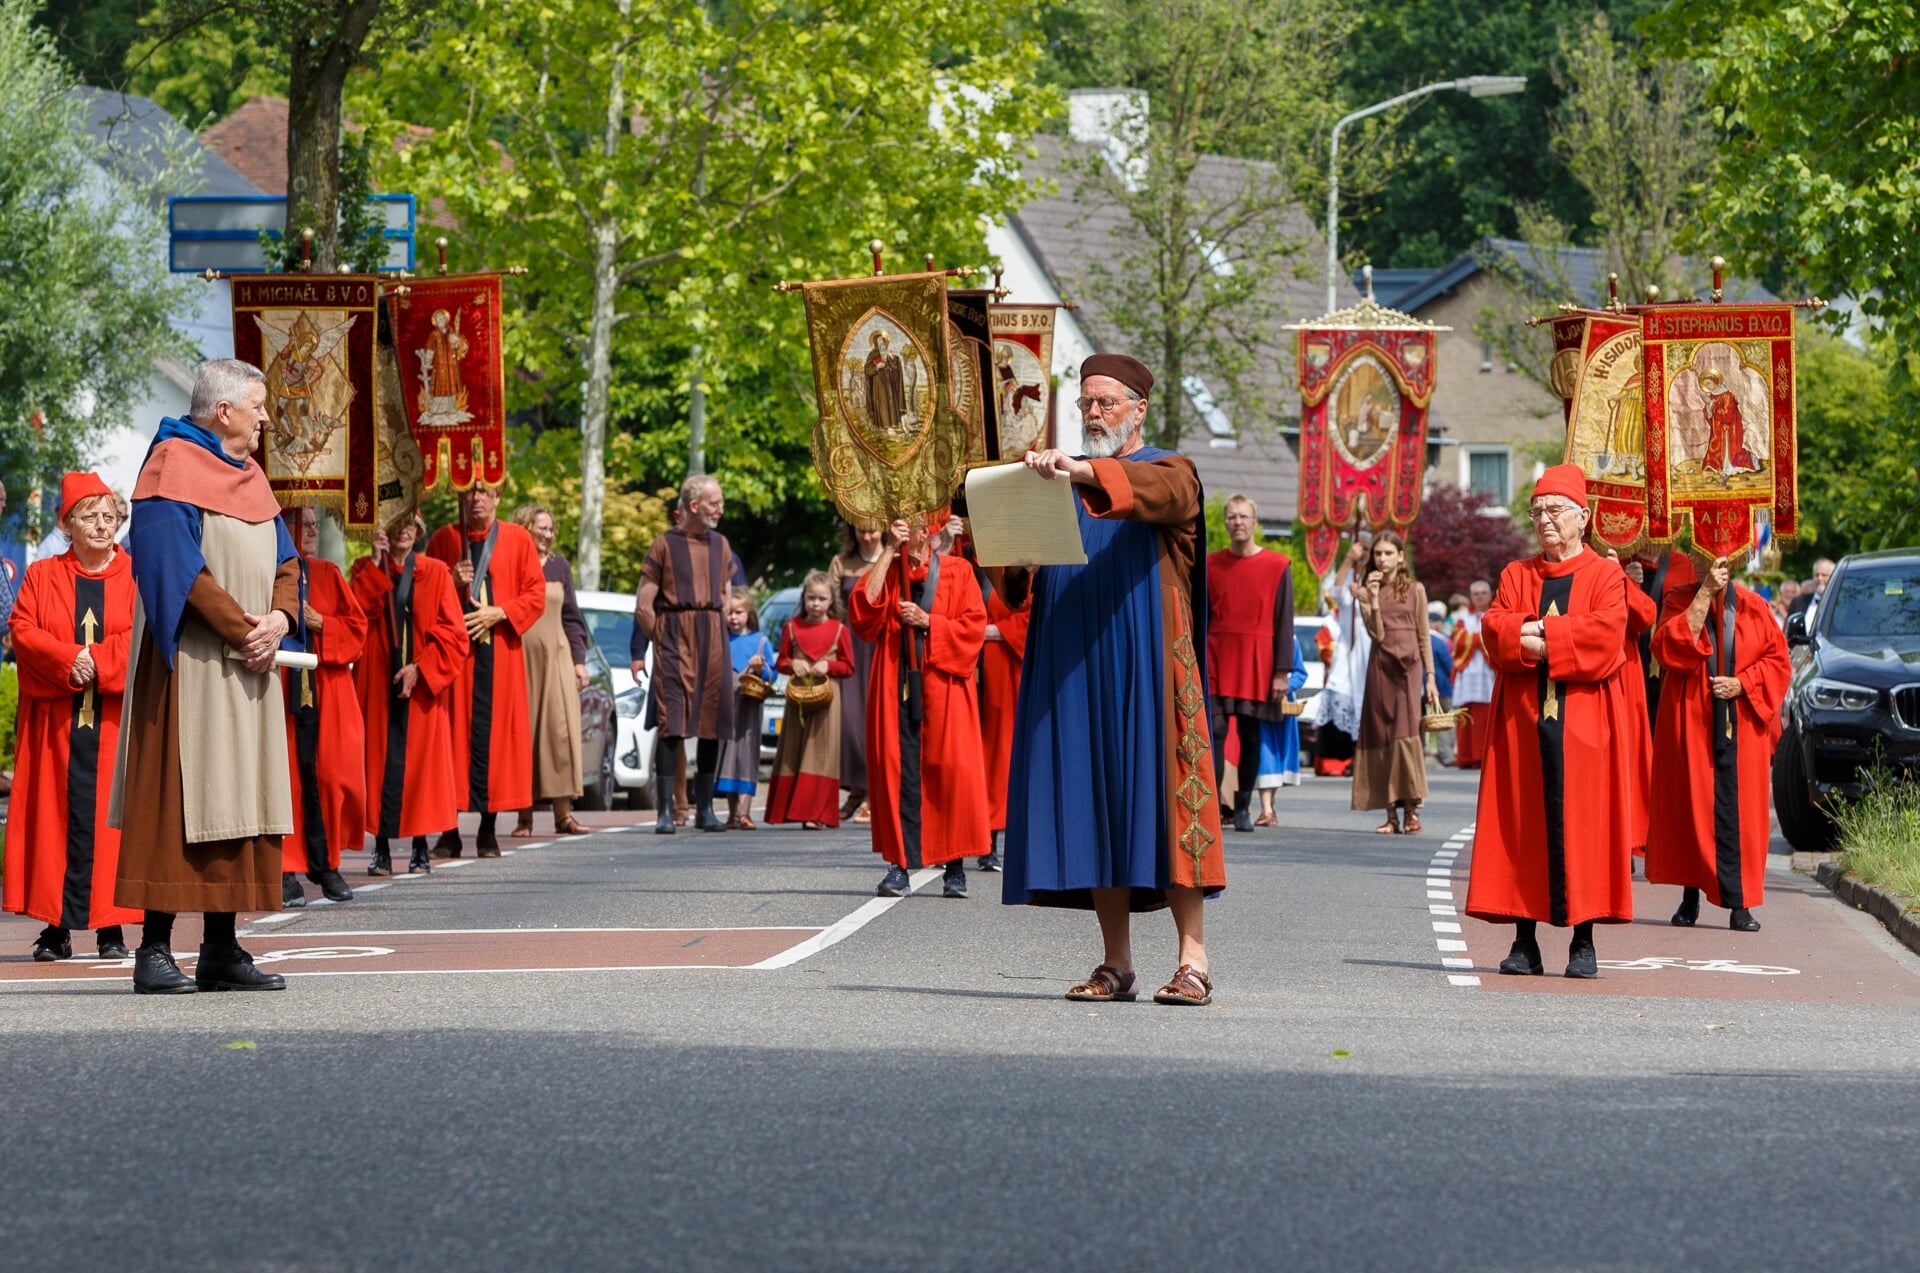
{"x": 254, "y": 140}
{"x": 1055, "y": 247}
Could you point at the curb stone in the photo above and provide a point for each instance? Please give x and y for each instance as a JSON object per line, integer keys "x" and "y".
{"x": 1886, "y": 907}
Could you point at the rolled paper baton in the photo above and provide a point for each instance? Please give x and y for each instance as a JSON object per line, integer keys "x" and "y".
{"x": 282, "y": 658}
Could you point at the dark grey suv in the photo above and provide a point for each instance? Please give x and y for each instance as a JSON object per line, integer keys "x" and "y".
{"x": 1855, "y": 698}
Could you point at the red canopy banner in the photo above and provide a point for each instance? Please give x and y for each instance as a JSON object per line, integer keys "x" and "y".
{"x": 446, "y": 335}
{"x": 313, "y": 336}
{"x": 1597, "y": 358}
{"x": 1366, "y": 378}
{"x": 1720, "y": 423}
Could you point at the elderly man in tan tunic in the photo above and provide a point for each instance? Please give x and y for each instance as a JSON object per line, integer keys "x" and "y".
{"x": 201, "y": 790}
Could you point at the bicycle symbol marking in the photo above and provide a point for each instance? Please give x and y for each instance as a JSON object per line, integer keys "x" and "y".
{"x": 1653, "y": 963}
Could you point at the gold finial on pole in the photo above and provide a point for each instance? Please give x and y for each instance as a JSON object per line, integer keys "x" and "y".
{"x": 440, "y": 246}
{"x": 876, "y": 247}
{"x": 306, "y": 249}
{"x": 1653, "y": 293}
{"x": 1719, "y": 266}
{"x": 1613, "y": 291}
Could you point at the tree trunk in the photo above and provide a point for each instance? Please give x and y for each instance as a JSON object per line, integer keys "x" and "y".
{"x": 593, "y": 421}
{"x": 319, "y": 60}
{"x": 606, "y": 292}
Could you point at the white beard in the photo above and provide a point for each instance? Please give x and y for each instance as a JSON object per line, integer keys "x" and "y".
{"x": 1104, "y": 446}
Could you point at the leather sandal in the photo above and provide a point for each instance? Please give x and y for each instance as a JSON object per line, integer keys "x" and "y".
{"x": 1267, "y": 820}
{"x": 1188, "y": 987}
{"x": 1390, "y": 827}
{"x": 1412, "y": 826}
{"x": 523, "y": 829}
{"x": 572, "y": 826}
{"x": 1107, "y": 984}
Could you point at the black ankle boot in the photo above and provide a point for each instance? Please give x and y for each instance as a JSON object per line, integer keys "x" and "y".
{"x": 1243, "y": 811}
{"x": 1689, "y": 908}
{"x": 231, "y": 968}
{"x": 382, "y": 863}
{"x": 420, "y": 861}
{"x": 155, "y": 973}
{"x": 703, "y": 804}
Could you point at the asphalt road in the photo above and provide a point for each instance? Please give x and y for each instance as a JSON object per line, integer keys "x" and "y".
{"x": 919, "y": 1096}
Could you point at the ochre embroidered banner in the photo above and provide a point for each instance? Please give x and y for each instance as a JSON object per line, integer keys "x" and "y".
{"x": 313, "y": 336}
{"x": 1366, "y": 379}
{"x": 1720, "y": 423}
{"x": 888, "y": 442}
{"x": 1023, "y": 376}
{"x": 1606, "y": 418}
{"x": 447, "y": 337}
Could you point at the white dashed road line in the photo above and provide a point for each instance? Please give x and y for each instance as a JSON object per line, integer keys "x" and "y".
{"x": 1440, "y": 903}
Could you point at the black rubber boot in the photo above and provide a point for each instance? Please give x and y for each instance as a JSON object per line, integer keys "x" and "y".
{"x": 1243, "y": 811}
{"x": 663, "y": 804}
{"x": 703, "y": 804}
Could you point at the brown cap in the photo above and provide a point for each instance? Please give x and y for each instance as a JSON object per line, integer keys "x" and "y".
{"x": 1130, "y": 372}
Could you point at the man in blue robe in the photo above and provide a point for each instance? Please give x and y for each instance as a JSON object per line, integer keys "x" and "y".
{"x": 1111, "y": 804}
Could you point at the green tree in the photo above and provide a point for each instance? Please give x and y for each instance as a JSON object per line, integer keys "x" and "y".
{"x": 659, "y": 167}
{"x": 1197, "y": 278}
{"x": 89, "y": 303}
{"x": 1471, "y": 163}
{"x": 1856, "y": 491}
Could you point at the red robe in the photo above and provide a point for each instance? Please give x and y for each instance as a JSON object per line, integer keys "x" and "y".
{"x": 950, "y": 782}
{"x": 492, "y": 725}
{"x": 1710, "y": 808}
{"x": 1249, "y": 629}
{"x": 1555, "y": 831}
{"x": 999, "y": 692}
{"x": 1726, "y": 435}
{"x": 1469, "y": 730}
{"x": 1642, "y": 613}
{"x": 339, "y": 759}
{"x": 61, "y": 856}
{"x": 417, "y": 794}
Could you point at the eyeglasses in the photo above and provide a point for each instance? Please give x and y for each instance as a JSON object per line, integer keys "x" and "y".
{"x": 1551, "y": 512}
{"x": 101, "y": 517}
{"x": 1107, "y": 405}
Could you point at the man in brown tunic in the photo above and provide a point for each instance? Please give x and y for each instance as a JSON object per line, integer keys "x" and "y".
{"x": 201, "y": 790}
{"x": 681, "y": 608}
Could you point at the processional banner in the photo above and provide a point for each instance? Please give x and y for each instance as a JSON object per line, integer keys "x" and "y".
{"x": 1366, "y": 379}
{"x": 970, "y": 343}
{"x": 447, "y": 339}
{"x": 1596, "y": 369}
{"x": 399, "y": 470}
{"x": 313, "y": 336}
{"x": 888, "y": 441}
{"x": 1023, "y": 376}
{"x": 1720, "y": 423}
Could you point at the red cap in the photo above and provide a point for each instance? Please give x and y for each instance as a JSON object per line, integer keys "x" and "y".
{"x": 75, "y": 487}
{"x": 1563, "y": 479}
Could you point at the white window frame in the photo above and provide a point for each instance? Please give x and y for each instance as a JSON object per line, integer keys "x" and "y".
{"x": 1467, "y": 451}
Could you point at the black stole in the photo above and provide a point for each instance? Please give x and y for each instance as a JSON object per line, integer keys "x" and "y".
{"x": 912, "y": 713}
{"x": 83, "y": 760}
{"x": 1726, "y": 754}
{"x": 393, "y": 774}
{"x": 1556, "y": 595}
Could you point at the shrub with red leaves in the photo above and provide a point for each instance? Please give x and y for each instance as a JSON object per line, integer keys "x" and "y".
{"x": 1455, "y": 541}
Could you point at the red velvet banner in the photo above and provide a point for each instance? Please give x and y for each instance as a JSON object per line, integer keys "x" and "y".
{"x": 1720, "y": 423}
{"x": 446, "y": 333}
{"x": 313, "y": 336}
{"x": 1364, "y": 394}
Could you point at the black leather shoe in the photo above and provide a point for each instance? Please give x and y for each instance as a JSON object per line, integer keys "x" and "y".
{"x": 382, "y": 863}
{"x": 331, "y": 885}
{"x": 292, "y": 896}
{"x": 232, "y": 969}
{"x": 448, "y": 845}
{"x": 52, "y": 945}
{"x": 155, "y": 973}
{"x": 112, "y": 943}
{"x": 954, "y": 882}
{"x": 420, "y": 862}
{"x": 486, "y": 845}
{"x": 1689, "y": 911}
{"x": 895, "y": 884}
{"x": 1742, "y": 921}
{"x": 1582, "y": 963}
{"x": 1523, "y": 961}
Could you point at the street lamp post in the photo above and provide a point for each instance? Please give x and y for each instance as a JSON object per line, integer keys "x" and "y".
{"x": 1473, "y": 85}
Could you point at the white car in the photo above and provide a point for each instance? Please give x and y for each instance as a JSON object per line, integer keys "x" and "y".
{"x": 609, "y": 617}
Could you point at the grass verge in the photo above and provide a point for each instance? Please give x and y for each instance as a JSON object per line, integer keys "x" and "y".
{"x": 1880, "y": 839}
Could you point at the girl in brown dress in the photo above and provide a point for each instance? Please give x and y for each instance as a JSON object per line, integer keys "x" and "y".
{"x": 1389, "y": 771}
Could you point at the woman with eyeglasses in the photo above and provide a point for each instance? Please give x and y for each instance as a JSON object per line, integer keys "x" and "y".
{"x": 1389, "y": 766}
{"x": 1558, "y": 815}
{"x": 72, "y": 628}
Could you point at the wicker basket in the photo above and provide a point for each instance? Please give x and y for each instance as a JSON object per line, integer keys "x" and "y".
{"x": 754, "y": 686}
{"x": 1292, "y": 707}
{"x": 1441, "y": 722}
{"x": 809, "y": 691}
